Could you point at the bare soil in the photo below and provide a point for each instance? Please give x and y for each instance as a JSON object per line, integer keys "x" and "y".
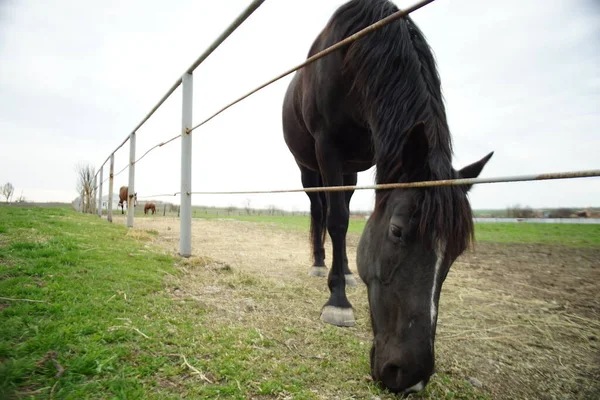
{"x": 523, "y": 320}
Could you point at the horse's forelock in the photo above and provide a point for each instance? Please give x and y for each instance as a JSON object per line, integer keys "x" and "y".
{"x": 446, "y": 217}
{"x": 443, "y": 214}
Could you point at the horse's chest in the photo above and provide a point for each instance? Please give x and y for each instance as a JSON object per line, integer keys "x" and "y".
{"x": 354, "y": 144}
{"x": 354, "y": 150}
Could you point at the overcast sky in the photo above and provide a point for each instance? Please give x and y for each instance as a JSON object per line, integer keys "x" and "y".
{"x": 520, "y": 78}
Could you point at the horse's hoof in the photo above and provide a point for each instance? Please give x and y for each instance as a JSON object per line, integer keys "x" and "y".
{"x": 338, "y": 316}
{"x": 318, "y": 271}
{"x": 350, "y": 281}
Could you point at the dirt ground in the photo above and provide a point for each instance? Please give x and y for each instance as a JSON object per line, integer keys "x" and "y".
{"x": 523, "y": 320}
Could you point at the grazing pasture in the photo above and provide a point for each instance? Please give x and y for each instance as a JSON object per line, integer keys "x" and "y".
{"x": 93, "y": 310}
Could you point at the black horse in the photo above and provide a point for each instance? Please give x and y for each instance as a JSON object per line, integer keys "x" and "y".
{"x": 379, "y": 102}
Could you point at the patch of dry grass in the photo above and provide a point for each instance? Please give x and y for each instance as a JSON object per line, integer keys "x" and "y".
{"x": 543, "y": 347}
{"x": 141, "y": 234}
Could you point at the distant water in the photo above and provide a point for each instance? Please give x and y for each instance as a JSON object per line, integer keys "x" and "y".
{"x": 542, "y": 220}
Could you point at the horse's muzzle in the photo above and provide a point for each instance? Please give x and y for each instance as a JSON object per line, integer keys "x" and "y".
{"x": 401, "y": 370}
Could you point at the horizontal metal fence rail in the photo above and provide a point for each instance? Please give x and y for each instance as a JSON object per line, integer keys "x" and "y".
{"x": 407, "y": 185}
{"x": 216, "y": 43}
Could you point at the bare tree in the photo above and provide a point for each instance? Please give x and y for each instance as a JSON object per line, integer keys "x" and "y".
{"x": 21, "y": 198}
{"x": 85, "y": 186}
{"x": 7, "y": 191}
{"x": 517, "y": 211}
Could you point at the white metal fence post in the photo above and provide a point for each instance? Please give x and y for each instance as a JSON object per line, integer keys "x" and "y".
{"x": 111, "y": 179}
{"x": 185, "y": 219}
{"x": 131, "y": 187}
{"x": 100, "y": 191}
{"x": 94, "y": 200}
{"x": 186, "y": 156}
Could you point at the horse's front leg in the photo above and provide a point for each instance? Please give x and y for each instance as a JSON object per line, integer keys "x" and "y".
{"x": 318, "y": 212}
{"x": 349, "y": 180}
{"x": 337, "y": 310}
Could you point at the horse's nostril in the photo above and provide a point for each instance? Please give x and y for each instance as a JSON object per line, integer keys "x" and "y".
{"x": 391, "y": 377}
{"x": 396, "y": 380}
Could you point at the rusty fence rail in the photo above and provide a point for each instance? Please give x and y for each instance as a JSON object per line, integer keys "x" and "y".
{"x": 406, "y": 185}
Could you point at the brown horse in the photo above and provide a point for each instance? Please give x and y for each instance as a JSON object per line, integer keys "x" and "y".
{"x": 123, "y": 194}
{"x": 150, "y": 206}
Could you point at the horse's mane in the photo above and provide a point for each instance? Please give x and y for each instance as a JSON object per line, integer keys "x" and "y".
{"x": 394, "y": 75}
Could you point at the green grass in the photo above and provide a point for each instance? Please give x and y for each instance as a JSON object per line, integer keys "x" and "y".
{"x": 102, "y": 310}
{"x": 88, "y": 276}
{"x": 299, "y": 223}
{"x": 572, "y": 235}
{"x": 104, "y": 307}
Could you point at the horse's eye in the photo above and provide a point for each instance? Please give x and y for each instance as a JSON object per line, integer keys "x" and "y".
{"x": 396, "y": 231}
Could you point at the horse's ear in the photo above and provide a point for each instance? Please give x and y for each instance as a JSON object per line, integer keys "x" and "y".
{"x": 473, "y": 170}
{"x": 415, "y": 149}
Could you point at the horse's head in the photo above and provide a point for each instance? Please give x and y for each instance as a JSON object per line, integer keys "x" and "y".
{"x": 404, "y": 255}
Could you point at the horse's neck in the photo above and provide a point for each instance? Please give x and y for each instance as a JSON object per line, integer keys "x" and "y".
{"x": 388, "y": 156}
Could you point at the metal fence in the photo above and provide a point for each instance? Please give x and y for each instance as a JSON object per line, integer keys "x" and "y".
{"x": 186, "y": 81}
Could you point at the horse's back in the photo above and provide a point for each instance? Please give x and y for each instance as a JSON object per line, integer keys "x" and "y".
{"x": 319, "y": 106}
{"x": 295, "y": 132}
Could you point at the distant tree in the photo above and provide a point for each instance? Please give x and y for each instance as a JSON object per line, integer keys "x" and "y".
{"x": 21, "y": 198}
{"x": 517, "y": 211}
{"x": 511, "y": 211}
{"x": 561, "y": 213}
{"x": 230, "y": 209}
{"x": 85, "y": 185}
{"x": 7, "y": 191}
{"x": 527, "y": 212}
{"x": 361, "y": 213}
